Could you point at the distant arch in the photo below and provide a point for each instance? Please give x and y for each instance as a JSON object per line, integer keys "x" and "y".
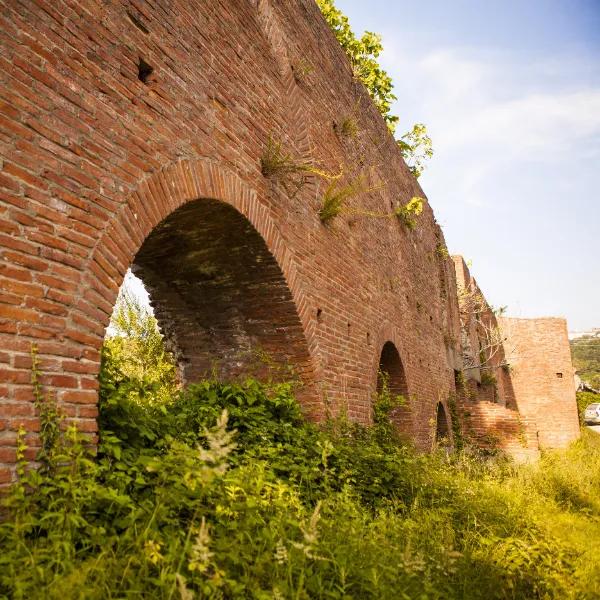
{"x": 391, "y": 374}
{"x": 442, "y": 426}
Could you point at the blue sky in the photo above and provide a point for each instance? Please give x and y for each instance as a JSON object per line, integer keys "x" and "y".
{"x": 510, "y": 92}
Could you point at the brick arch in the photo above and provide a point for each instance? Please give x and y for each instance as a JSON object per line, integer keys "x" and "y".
{"x": 443, "y": 428}
{"x": 389, "y": 359}
{"x": 183, "y": 206}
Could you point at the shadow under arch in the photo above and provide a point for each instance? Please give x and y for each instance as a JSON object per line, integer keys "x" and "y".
{"x": 223, "y": 284}
{"x": 219, "y": 295}
{"x": 391, "y": 374}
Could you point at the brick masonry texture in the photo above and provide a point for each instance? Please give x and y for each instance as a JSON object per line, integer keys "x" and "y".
{"x": 131, "y": 134}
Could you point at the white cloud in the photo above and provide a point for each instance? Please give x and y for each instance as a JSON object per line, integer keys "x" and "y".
{"x": 535, "y": 126}
{"x": 487, "y": 110}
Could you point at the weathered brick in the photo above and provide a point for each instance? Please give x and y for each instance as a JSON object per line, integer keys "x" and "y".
{"x": 102, "y": 172}
{"x": 79, "y": 396}
{"x": 5, "y": 475}
{"x": 20, "y": 409}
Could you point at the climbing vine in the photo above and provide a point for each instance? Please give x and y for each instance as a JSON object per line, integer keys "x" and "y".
{"x": 363, "y": 52}
{"x": 47, "y": 410}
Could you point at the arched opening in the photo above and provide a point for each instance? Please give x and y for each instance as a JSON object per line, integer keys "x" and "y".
{"x": 391, "y": 376}
{"x": 220, "y": 298}
{"x": 442, "y": 430}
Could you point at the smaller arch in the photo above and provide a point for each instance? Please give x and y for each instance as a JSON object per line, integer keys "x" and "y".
{"x": 391, "y": 375}
{"x": 392, "y": 370}
{"x": 443, "y": 436}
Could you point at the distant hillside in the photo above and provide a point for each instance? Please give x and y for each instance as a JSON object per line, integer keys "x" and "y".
{"x": 586, "y": 358}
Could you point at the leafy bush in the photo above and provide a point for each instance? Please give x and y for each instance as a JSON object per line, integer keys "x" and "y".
{"x": 223, "y": 490}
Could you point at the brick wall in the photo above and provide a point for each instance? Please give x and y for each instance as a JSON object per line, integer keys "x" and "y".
{"x": 131, "y": 134}
{"x": 522, "y": 394}
{"x": 542, "y": 377}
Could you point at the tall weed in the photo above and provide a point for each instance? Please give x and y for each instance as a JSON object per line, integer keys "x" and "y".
{"x": 225, "y": 491}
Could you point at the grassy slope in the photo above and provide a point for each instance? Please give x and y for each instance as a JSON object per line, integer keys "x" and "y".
{"x": 299, "y": 512}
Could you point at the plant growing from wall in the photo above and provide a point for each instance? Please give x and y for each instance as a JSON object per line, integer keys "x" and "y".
{"x": 348, "y": 127}
{"x": 522, "y": 435}
{"x": 478, "y": 317}
{"x": 277, "y": 163}
{"x": 302, "y": 69}
{"x": 442, "y": 251}
{"x": 488, "y": 378}
{"x": 409, "y": 213}
{"x": 416, "y": 148}
{"x": 336, "y": 195}
{"x": 363, "y": 53}
{"x": 457, "y": 433}
{"x": 291, "y": 172}
{"x": 47, "y": 411}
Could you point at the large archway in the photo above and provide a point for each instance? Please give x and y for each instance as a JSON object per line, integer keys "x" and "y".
{"x": 220, "y": 297}
{"x": 222, "y": 281}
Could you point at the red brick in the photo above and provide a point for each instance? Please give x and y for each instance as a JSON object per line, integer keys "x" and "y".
{"x": 14, "y": 273}
{"x": 7, "y": 455}
{"x": 87, "y": 411}
{"x": 22, "y": 288}
{"x": 79, "y": 396}
{"x": 5, "y": 475}
{"x": 24, "y": 260}
{"x": 12, "y": 376}
{"x": 26, "y": 424}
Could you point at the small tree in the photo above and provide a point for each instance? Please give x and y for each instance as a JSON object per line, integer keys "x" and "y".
{"x": 478, "y": 316}
{"x": 134, "y": 358}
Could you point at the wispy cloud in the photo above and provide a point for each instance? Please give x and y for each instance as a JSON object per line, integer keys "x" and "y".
{"x": 484, "y": 114}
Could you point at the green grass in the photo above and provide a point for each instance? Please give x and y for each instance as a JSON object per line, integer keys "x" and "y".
{"x": 179, "y": 503}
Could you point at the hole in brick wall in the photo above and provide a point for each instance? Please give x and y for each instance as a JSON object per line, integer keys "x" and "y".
{"x": 137, "y": 22}
{"x": 559, "y": 375}
{"x": 319, "y": 314}
{"x": 349, "y": 326}
{"x": 368, "y": 338}
{"x": 144, "y": 70}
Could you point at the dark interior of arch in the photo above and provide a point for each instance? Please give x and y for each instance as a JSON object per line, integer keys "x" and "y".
{"x": 220, "y": 298}
{"x": 441, "y": 428}
{"x": 392, "y": 371}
